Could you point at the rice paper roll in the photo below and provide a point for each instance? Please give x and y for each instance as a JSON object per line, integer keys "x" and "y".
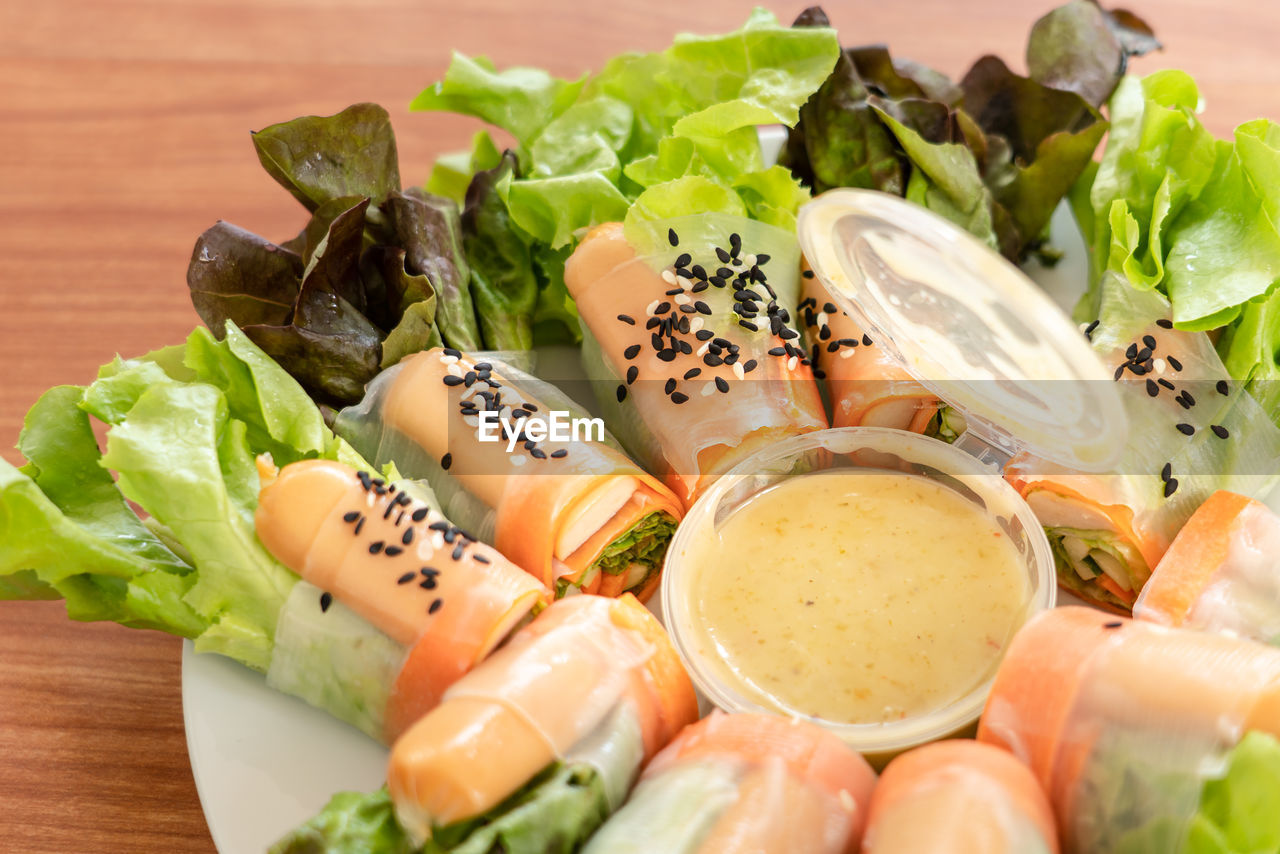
{"x": 1222, "y": 572}
{"x": 1128, "y": 725}
{"x": 689, "y": 338}
{"x": 578, "y": 514}
{"x": 959, "y": 797}
{"x": 732, "y": 784}
{"x": 397, "y": 603}
{"x": 591, "y": 689}
{"x": 1192, "y": 431}
{"x": 866, "y": 385}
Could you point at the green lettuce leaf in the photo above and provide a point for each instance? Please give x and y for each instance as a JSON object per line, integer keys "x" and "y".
{"x": 351, "y": 823}
{"x": 1237, "y": 812}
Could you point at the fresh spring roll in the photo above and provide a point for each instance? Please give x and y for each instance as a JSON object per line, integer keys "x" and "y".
{"x": 732, "y": 784}
{"x": 959, "y": 797}
{"x": 409, "y": 602}
{"x": 868, "y": 387}
{"x": 689, "y": 338}
{"x": 1192, "y": 431}
{"x": 577, "y": 512}
{"x": 1146, "y": 738}
{"x": 587, "y": 693}
{"x": 1222, "y": 572}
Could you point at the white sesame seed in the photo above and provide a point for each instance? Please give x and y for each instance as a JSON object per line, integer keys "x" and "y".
{"x": 517, "y": 460}
{"x": 738, "y": 371}
{"x": 846, "y": 352}
{"x": 683, "y": 299}
{"x": 702, "y": 351}
{"x": 1159, "y": 365}
{"x": 748, "y": 260}
{"x": 708, "y": 389}
{"x": 447, "y": 359}
{"x": 684, "y": 281}
{"x": 695, "y": 325}
{"x": 791, "y": 363}
{"x": 669, "y": 277}
{"x": 821, "y": 319}
{"x": 455, "y": 370}
{"x": 651, "y": 308}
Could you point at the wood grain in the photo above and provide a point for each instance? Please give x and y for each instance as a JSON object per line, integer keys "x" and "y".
{"x": 125, "y": 134}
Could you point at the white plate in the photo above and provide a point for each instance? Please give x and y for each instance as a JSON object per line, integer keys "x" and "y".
{"x": 264, "y": 762}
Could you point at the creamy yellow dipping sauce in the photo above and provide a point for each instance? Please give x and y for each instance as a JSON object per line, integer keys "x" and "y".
{"x": 859, "y": 597}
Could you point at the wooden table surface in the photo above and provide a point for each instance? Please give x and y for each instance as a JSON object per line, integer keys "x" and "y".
{"x": 124, "y": 133}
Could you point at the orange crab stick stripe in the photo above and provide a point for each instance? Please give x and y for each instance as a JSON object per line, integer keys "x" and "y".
{"x": 962, "y": 797}
{"x": 559, "y": 505}
{"x": 401, "y": 566}
{"x": 530, "y": 703}
{"x": 869, "y": 388}
{"x": 715, "y": 413}
{"x": 1198, "y": 552}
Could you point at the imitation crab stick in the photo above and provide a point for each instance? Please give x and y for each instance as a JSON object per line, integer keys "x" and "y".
{"x": 592, "y": 683}
{"x": 1105, "y": 709}
{"x": 698, "y": 346}
{"x": 1222, "y": 572}
{"x": 732, "y": 784}
{"x": 959, "y": 797}
{"x": 402, "y": 567}
{"x": 868, "y": 386}
{"x": 573, "y": 510}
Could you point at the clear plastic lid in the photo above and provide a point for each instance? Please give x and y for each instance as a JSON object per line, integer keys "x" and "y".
{"x": 969, "y": 326}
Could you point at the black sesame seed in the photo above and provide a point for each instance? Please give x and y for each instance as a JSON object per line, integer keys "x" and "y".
{"x": 375, "y": 547}
{"x": 428, "y": 583}
{"x": 1149, "y": 341}
{"x": 408, "y": 536}
{"x": 537, "y": 453}
{"x": 788, "y": 334}
{"x": 1143, "y": 355}
{"x": 722, "y": 384}
{"x": 746, "y": 324}
{"x": 359, "y": 525}
{"x": 808, "y": 274}
{"x": 698, "y": 272}
{"x": 351, "y": 516}
{"x": 670, "y": 386}
{"x": 1223, "y": 387}
{"x": 1164, "y": 323}
{"x": 450, "y": 379}
{"x": 656, "y": 340}
{"x": 699, "y": 287}
{"x": 777, "y": 351}
{"x": 674, "y": 292}
{"x": 679, "y": 397}
{"x": 688, "y": 309}
{"x": 717, "y": 281}
{"x": 1183, "y": 402}
{"x": 326, "y": 599}
{"x": 446, "y": 461}
{"x": 449, "y": 351}
{"x": 406, "y": 578}
{"x": 672, "y": 238}
{"x": 702, "y": 307}
{"x": 866, "y": 340}
{"x": 723, "y": 255}
{"x": 1114, "y": 624}
{"x": 1131, "y": 351}
{"x": 667, "y": 355}
{"x": 1164, "y": 382}
{"x": 555, "y": 455}
{"x": 735, "y": 241}
{"x": 684, "y": 260}
{"x": 1220, "y": 431}
{"x": 1171, "y": 487}
{"x": 1166, "y": 472}
{"x": 435, "y": 606}
{"x": 691, "y": 373}
{"x": 1088, "y": 330}
{"x": 632, "y": 351}
{"x": 441, "y": 526}
{"x": 457, "y": 552}
{"x": 1175, "y": 364}
{"x": 824, "y": 333}
{"x": 622, "y": 393}
{"x": 704, "y": 335}
{"x": 1152, "y": 388}
{"x": 711, "y": 360}
{"x": 632, "y": 373}
{"x": 662, "y": 307}
{"x": 627, "y": 319}
{"x": 1191, "y": 401}
{"x": 1119, "y": 372}
{"x": 762, "y": 259}
{"x": 1185, "y": 428}
{"x": 724, "y": 273}
{"x": 833, "y": 346}
{"x": 652, "y": 322}
{"x": 749, "y": 366}
{"x": 392, "y": 551}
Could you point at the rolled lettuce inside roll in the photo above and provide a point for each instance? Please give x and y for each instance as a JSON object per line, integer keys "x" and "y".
{"x": 574, "y": 509}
